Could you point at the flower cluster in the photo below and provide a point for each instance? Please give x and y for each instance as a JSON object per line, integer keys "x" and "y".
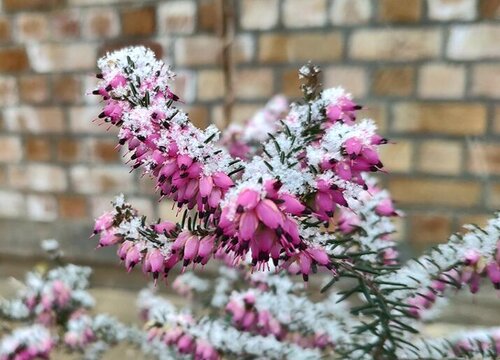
{"x": 32, "y": 342}
{"x": 311, "y": 162}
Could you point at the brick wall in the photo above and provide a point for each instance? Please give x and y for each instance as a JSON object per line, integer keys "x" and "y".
{"x": 427, "y": 71}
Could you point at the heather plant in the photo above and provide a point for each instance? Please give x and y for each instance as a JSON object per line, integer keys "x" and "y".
{"x": 287, "y": 195}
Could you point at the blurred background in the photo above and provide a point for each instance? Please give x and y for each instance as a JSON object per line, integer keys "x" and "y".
{"x": 426, "y": 71}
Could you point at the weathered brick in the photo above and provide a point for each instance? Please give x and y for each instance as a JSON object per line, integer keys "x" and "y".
{"x": 259, "y": 14}
{"x": 8, "y": 91}
{"x": 38, "y": 177}
{"x": 470, "y": 42}
{"x": 65, "y": 23}
{"x": 210, "y": 85}
{"x": 97, "y": 180}
{"x": 61, "y": 57}
{"x": 41, "y": 207}
{"x": 198, "y": 116}
{"x": 408, "y": 11}
{"x": 485, "y": 80}
{"x": 475, "y": 219}
{"x": 34, "y": 89}
{"x": 208, "y": 14}
{"x": 304, "y": 13}
{"x": 72, "y": 206}
{"x": 452, "y": 10}
{"x": 489, "y": 9}
{"x": 70, "y": 150}
{"x": 441, "y": 81}
{"x": 352, "y": 78}
{"x": 395, "y": 44}
{"x": 138, "y": 21}
{"x": 300, "y": 48}
{"x": 393, "y": 81}
{"x": 290, "y": 83}
{"x": 102, "y": 150}
{"x": 254, "y": 83}
{"x": 347, "y": 12}
{"x": 16, "y": 5}
{"x": 443, "y": 118}
{"x": 177, "y": 17}
{"x": 100, "y": 23}
{"x": 13, "y": 59}
{"x": 440, "y": 157}
{"x": 197, "y": 50}
{"x": 35, "y": 120}
{"x": 5, "y": 31}
{"x": 17, "y": 204}
{"x": 37, "y": 149}
{"x": 457, "y": 193}
{"x": 397, "y": 156}
{"x": 429, "y": 229}
{"x": 32, "y": 27}
{"x": 484, "y": 158}
{"x": 496, "y": 120}
{"x": 494, "y": 196}
{"x": 66, "y": 88}
{"x": 10, "y": 149}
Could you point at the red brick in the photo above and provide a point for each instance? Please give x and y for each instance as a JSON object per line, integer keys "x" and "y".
{"x": 139, "y": 21}
{"x": 16, "y": 5}
{"x": 408, "y": 11}
{"x": 13, "y": 59}
{"x": 484, "y": 159}
{"x": 69, "y": 150}
{"x": 429, "y": 229}
{"x": 104, "y": 150}
{"x": 65, "y": 24}
{"x": 489, "y": 9}
{"x": 34, "y": 89}
{"x": 66, "y": 88}
{"x": 5, "y": 30}
{"x": 208, "y": 14}
{"x": 72, "y": 206}
{"x": 38, "y": 149}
